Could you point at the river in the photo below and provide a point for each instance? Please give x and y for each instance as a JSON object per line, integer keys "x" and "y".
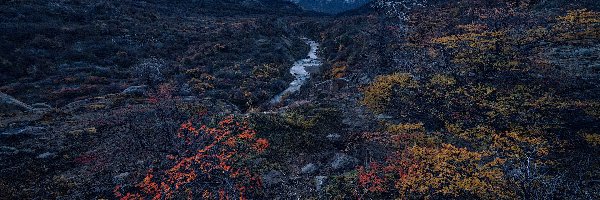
{"x": 300, "y": 72}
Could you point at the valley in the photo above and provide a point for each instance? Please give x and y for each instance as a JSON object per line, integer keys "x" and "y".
{"x": 266, "y": 99}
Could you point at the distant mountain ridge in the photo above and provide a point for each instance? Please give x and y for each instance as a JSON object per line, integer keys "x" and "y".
{"x": 238, "y": 6}
{"x": 330, "y": 6}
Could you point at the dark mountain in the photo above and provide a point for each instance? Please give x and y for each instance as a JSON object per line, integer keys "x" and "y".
{"x": 330, "y": 6}
{"x": 225, "y": 7}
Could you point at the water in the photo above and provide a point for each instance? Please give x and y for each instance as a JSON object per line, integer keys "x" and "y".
{"x": 299, "y": 71}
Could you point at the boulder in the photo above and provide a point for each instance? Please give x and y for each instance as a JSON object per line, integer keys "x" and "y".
{"x": 120, "y": 177}
{"x": 309, "y": 169}
{"x": 47, "y": 155}
{"x": 320, "y": 182}
{"x": 334, "y": 138}
{"x": 140, "y": 90}
{"x": 272, "y": 178}
{"x": 342, "y": 161}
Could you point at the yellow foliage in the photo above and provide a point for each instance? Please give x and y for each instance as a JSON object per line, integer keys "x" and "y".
{"x": 200, "y": 85}
{"x": 406, "y": 128}
{"x": 578, "y": 24}
{"x": 269, "y": 70}
{"x": 452, "y": 171}
{"x": 592, "y": 139}
{"x": 477, "y": 94}
{"x": 299, "y": 120}
{"x": 378, "y": 94}
{"x": 406, "y": 134}
{"x": 339, "y": 70}
{"x": 581, "y": 16}
{"x": 482, "y": 50}
{"x": 442, "y": 80}
{"x": 477, "y": 134}
{"x": 592, "y": 108}
{"x": 473, "y": 27}
{"x": 535, "y": 34}
{"x": 480, "y": 41}
{"x": 515, "y": 144}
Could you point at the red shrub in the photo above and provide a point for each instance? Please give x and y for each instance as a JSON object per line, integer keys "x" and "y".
{"x": 213, "y": 161}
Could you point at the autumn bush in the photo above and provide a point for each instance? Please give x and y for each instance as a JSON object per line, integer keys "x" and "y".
{"x": 438, "y": 171}
{"x": 501, "y": 126}
{"x": 378, "y": 94}
{"x": 213, "y": 162}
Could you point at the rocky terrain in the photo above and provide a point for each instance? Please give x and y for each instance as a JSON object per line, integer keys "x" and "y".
{"x": 206, "y": 99}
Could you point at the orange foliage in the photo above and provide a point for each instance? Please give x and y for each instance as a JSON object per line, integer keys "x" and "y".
{"x": 446, "y": 171}
{"x": 372, "y": 180}
{"x": 213, "y": 157}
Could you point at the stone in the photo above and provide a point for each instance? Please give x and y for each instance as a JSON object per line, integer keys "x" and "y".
{"x": 272, "y": 178}
{"x": 136, "y": 90}
{"x": 46, "y": 155}
{"x": 309, "y": 169}
{"x": 384, "y": 117}
{"x": 342, "y": 161}
{"x": 334, "y": 137}
{"x": 320, "y": 182}
{"x": 121, "y": 177}
{"x": 9, "y": 104}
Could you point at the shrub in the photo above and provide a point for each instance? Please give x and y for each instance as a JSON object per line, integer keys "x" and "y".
{"x": 213, "y": 163}
{"x": 592, "y": 139}
{"x": 378, "y": 94}
{"x": 442, "y": 80}
{"x": 428, "y": 172}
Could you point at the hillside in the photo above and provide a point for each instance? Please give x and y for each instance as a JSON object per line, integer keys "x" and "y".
{"x": 330, "y": 6}
{"x": 268, "y": 99}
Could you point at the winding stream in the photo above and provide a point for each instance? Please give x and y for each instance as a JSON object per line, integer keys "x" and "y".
{"x": 299, "y": 71}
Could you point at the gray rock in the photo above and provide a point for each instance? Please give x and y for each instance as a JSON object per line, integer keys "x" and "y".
{"x": 309, "y": 169}
{"x": 320, "y": 182}
{"x": 334, "y": 137}
{"x": 10, "y": 104}
{"x": 384, "y": 117}
{"x": 272, "y": 178}
{"x": 121, "y": 177}
{"x": 136, "y": 90}
{"x": 342, "y": 161}
{"x": 46, "y": 155}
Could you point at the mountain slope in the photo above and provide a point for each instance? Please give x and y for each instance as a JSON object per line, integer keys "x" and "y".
{"x": 330, "y": 6}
